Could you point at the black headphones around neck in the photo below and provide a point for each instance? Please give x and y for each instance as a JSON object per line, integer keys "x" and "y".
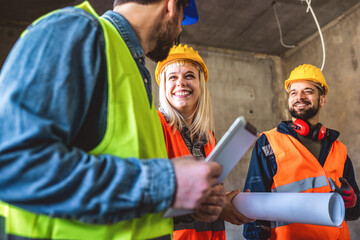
{"x": 304, "y": 128}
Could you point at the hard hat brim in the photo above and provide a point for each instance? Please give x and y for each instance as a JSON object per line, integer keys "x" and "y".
{"x": 190, "y": 14}
{"x": 288, "y": 82}
{"x": 180, "y": 52}
{"x": 177, "y": 57}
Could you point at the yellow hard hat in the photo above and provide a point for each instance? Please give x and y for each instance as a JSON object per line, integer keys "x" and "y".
{"x": 307, "y": 72}
{"x": 180, "y": 52}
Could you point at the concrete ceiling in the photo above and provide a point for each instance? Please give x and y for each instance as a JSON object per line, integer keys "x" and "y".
{"x": 245, "y": 25}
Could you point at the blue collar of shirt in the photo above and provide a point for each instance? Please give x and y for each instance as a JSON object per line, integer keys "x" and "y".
{"x": 126, "y": 32}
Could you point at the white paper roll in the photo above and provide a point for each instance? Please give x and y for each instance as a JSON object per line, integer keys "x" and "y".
{"x": 310, "y": 208}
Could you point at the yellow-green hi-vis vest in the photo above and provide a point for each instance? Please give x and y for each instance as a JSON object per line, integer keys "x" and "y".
{"x": 133, "y": 130}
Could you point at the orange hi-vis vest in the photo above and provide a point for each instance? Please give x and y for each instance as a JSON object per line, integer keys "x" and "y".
{"x": 176, "y": 147}
{"x": 175, "y": 144}
{"x": 299, "y": 171}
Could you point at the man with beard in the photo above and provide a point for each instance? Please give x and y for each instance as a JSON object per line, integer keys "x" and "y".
{"x": 82, "y": 151}
{"x": 302, "y": 156}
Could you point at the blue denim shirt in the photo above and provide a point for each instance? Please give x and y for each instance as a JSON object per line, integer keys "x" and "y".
{"x": 53, "y": 108}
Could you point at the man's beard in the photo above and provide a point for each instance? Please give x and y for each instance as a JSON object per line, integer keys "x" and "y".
{"x": 165, "y": 38}
{"x": 305, "y": 114}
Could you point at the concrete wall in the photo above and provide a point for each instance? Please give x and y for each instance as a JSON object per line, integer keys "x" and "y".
{"x": 341, "y": 71}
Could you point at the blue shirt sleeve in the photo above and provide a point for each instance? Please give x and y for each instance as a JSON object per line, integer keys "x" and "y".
{"x": 46, "y": 88}
{"x": 262, "y": 168}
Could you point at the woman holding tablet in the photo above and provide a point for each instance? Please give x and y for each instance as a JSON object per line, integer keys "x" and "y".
{"x": 187, "y": 119}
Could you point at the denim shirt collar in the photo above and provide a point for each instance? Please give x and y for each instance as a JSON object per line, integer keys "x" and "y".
{"x": 126, "y": 32}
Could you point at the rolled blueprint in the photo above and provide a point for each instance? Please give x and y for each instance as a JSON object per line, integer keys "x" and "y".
{"x": 310, "y": 208}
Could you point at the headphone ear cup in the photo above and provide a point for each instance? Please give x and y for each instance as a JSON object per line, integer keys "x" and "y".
{"x": 322, "y": 132}
{"x": 301, "y": 127}
{"x": 319, "y": 132}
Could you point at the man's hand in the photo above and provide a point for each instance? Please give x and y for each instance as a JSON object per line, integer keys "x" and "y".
{"x": 211, "y": 208}
{"x": 347, "y": 193}
{"x": 231, "y": 214}
{"x": 194, "y": 179}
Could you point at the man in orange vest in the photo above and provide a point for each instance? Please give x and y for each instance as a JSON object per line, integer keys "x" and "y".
{"x": 302, "y": 156}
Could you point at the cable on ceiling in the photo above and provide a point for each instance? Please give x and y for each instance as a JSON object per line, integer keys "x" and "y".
{"x": 279, "y": 26}
{"x": 316, "y": 22}
{"x": 319, "y": 29}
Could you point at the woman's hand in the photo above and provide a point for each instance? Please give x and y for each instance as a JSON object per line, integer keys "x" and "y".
{"x": 230, "y": 213}
{"x": 211, "y": 208}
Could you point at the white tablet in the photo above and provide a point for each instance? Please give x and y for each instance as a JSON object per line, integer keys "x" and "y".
{"x": 228, "y": 151}
{"x": 233, "y": 145}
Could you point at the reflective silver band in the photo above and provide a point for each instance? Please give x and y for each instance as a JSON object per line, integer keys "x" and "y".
{"x": 303, "y": 185}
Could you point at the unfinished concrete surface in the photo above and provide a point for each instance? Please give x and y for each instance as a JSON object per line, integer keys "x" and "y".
{"x": 248, "y": 84}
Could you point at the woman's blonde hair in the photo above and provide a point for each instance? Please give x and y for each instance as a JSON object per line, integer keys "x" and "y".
{"x": 203, "y": 119}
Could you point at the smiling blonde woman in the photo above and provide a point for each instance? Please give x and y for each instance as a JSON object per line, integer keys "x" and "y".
{"x": 188, "y": 123}
{"x": 183, "y": 106}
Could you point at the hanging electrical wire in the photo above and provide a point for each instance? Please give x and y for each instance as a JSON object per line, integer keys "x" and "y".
{"x": 319, "y": 29}
{"x": 279, "y": 26}
{"x": 316, "y": 22}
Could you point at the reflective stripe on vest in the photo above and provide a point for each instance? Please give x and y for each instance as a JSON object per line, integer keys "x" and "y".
{"x": 176, "y": 147}
{"x": 299, "y": 171}
{"x": 302, "y": 185}
{"x": 126, "y": 90}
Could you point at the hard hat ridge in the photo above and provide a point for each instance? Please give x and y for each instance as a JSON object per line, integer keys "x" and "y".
{"x": 181, "y": 52}
{"x": 307, "y": 72}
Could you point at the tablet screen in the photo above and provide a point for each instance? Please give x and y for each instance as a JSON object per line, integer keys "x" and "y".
{"x": 233, "y": 145}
